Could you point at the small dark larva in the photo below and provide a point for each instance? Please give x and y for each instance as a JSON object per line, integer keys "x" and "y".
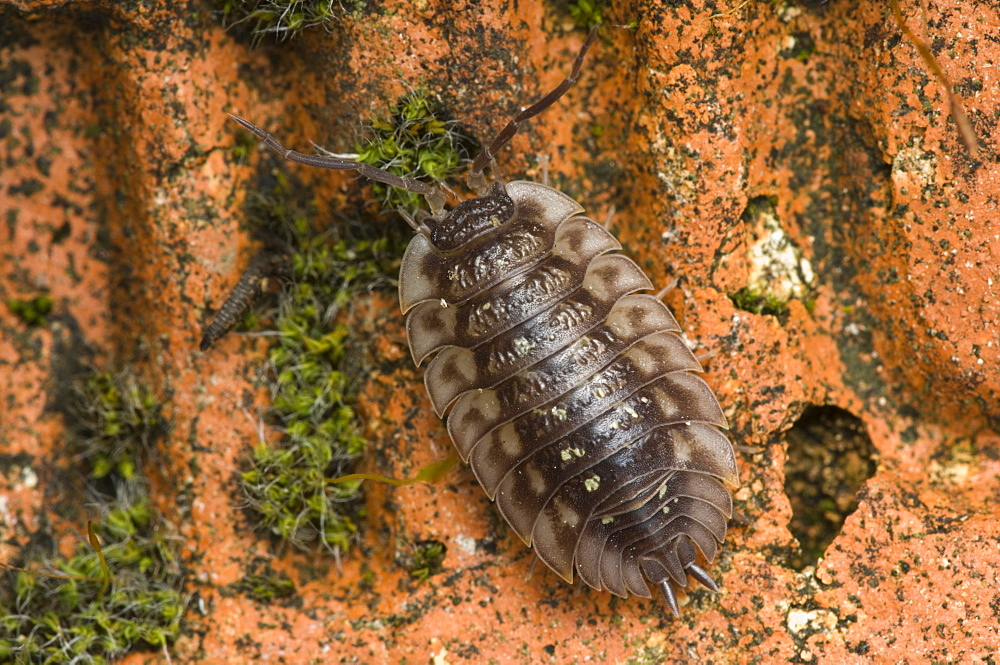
{"x": 573, "y": 397}
{"x": 271, "y": 262}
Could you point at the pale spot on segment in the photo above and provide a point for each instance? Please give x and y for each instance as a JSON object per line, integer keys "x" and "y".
{"x": 537, "y": 481}
{"x": 510, "y": 441}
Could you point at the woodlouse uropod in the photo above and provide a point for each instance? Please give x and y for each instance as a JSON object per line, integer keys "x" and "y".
{"x": 573, "y": 397}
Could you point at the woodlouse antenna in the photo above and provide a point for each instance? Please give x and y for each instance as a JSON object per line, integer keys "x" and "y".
{"x": 435, "y": 197}
{"x": 475, "y": 177}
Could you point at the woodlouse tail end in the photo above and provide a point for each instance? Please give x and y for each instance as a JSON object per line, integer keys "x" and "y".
{"x": 698, "y": 573}
{"x": 671, "y": 597}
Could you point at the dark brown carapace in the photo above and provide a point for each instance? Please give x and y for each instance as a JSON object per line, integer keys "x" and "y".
{"x": 573, "y": 396}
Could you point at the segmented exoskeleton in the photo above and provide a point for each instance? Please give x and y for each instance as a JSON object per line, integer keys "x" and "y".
{"x": 271, "y": 262}
{"x": 573, "y": 397}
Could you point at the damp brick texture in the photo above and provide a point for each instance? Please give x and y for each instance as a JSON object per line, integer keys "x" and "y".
{"x": 122, "y": 196}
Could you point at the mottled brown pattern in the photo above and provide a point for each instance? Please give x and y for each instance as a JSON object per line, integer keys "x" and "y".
{"x": 431, "y": 326}
{"x": 574, "y": 401}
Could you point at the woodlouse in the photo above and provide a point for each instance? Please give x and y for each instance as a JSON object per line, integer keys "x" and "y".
{"x": 573, "y": 397}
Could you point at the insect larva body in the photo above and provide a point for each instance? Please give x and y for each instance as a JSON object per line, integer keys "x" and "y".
{"x": 270, "y": 263}
{"x": 571, "y": 394}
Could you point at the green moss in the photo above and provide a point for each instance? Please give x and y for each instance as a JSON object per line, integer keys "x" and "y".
{"x": 32, "y": 312}
{"x": 56, "y": 620}
{"x": 265, "y": 589}
{"x": 649, "y": 655}
{"x": 586, "y": 13}
{"x": 244, "y": 146}
{"x": 283, "y": 19}
{"x": 758, "y": 303}
{"x": 757, "y": 206}
{"x": 426, "y": 559}
{"x": 286, "y": 481}
{"x": 112, "y": 423}
{"x": 264, "y": 584}
{"x": 415, "y": 141}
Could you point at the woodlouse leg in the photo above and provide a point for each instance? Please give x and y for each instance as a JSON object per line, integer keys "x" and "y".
{"x": 543, "y": 164}
{"x": 475, "y": 178}
{"x": 607, "y": 227}
{"x": 495, "y": 171}
{"x": 414, "y": 224}
{"x": 702, "y": 357}
{"x": 741, "y": 519}
{"x": 671, "y": 285}
{"x": 435, "y": 196}
{"x": 531, "y": 568}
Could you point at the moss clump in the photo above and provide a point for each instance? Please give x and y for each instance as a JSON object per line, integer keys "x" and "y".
{"x": 244, "y": 146}
{"x": 415, "y": 141}
{"x": 34, "y": 311}
{"x": 48, "y": 619}
{"x": 113, "y": 422}
{"x": 65, "y": 610}
{"x": 284, "y": 19}
{"x": 264, "y": 584}
{"x": 287, "y": 482}
{"x": 586, "y": 13}
{"x": 426, "y": 559}
{"x": 759, "y": 303}
{"x": 265, "y": 589}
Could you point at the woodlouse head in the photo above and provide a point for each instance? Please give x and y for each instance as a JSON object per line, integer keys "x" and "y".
{"x": 471, "y": 219}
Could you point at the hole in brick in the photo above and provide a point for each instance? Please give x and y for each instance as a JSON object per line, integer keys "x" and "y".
{"x": 830, "y": 456}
